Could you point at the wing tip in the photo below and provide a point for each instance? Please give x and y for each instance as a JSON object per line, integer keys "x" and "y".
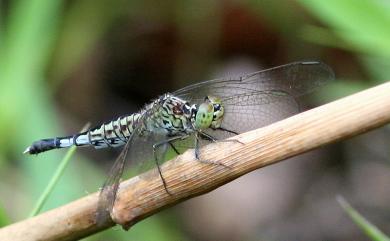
{"x": 322, "y": 65}
{"x": 314, "y": 62}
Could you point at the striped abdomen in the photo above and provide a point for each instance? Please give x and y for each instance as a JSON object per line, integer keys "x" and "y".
{"x": 114, "y": 133}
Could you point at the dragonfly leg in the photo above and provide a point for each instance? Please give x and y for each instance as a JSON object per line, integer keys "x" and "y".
{"x": 174, "y": 148}
{"x": 208, "y": 137}
{"x": 226, "y": 130}
{"x": 197, "y": 154}
{"x": 162, "y": 144}
{"x": 158, "y": 166}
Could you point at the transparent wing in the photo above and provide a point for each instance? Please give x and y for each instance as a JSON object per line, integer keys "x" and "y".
{"x": 151, "y": 148}
{"x": 182, "y": 145}
{"x": 110, "y": 187}
{"x": 296, "y": 79}
{"x": 140, "y": 154}
{"x": 254, "y": 100}
{"x": 143, "y": 154}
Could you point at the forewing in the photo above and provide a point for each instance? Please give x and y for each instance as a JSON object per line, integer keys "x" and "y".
{"x": 109, "y": 190}
{"x": 143, "y": 154}
{"x": 258, "y": 99}
{"x": 110, "y": 187}
{"x": 296, "y": 79}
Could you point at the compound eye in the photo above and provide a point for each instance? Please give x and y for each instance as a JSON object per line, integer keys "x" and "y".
{"x": 177, "y": 110}
{"x": 217, "y": 107}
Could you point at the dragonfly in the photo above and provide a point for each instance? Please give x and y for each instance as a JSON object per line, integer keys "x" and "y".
{"x": 193, "y": 116}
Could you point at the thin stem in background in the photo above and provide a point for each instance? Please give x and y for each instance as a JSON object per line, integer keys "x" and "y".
{"x": 55, "y": 178}
{"x": 368, "y": 228}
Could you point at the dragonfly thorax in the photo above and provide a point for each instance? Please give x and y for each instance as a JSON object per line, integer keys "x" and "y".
{"x": 178, "y": 116}
{"x": 172, "y": 117}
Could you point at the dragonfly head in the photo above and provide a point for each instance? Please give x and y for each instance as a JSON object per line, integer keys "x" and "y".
{"x": 209, "y": 114}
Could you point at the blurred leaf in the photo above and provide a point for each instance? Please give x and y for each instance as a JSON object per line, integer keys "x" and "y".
{"x": 363, "y": 24}
{"x": 4, "y": 219}
{"x": 26, "y": 111}
{"x": 84, "y": 24}
{"x": 199, "y": 27}
{"x": 338, "y": 89}
{"x": 159, "y": 227}
{"x": 283, "y": 15}
{"x": 379, "y": 67}
{"x": 369, "y": 229}
{"x": 323, "y": 36}
{"x": 23, "y": 56}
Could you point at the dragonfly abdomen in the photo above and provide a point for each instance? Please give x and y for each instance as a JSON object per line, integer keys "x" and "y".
{"x": 114, "y": 133}
{"x": 111, "y": 134}
{"x": 55, "y": 143}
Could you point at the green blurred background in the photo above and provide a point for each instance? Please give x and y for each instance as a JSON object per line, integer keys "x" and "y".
{"x": 64, "y": 63}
